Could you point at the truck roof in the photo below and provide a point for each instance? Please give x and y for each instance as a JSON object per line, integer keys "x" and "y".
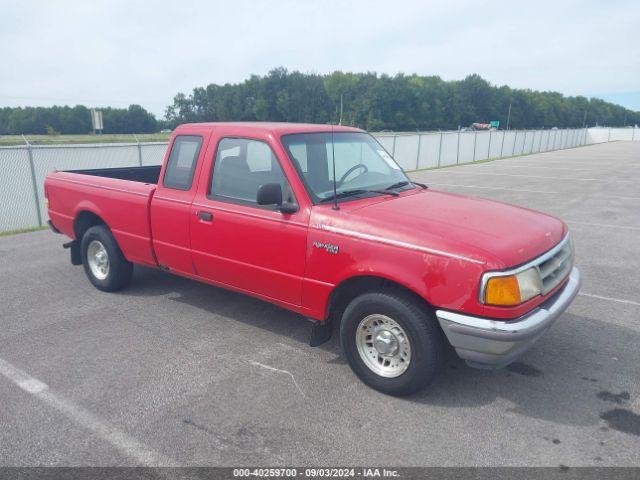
{"x": 279, "y": 128}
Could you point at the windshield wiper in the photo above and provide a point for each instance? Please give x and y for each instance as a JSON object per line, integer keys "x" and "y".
{"x": 358, "y": 191}
{"x": 385, "y": 192}
{"x": 404, "y": 183}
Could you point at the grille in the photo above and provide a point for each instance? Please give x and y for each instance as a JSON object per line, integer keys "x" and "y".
{"x": 555, "y": 265}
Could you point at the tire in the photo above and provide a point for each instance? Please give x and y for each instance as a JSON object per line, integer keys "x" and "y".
{"x": 103, "y": 260}
{"x": 373, "y": 313}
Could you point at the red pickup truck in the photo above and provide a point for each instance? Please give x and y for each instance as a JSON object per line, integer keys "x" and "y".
{"x": 322, "y": 221}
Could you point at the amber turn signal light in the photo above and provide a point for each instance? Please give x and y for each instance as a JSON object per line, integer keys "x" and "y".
{"x": 503, "y": 291}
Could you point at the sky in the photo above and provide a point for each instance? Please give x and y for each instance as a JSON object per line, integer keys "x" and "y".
{"x": 117, "y": 52}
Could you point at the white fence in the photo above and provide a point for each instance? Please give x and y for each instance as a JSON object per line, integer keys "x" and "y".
{"x": 23, "y": 168}
{"x": 416, "y": 151}
{"x": 603, "y": 134}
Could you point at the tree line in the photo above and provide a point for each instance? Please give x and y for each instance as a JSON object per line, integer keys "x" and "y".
{"x": 383, "y": 102}
{"x": 74, "y": 120}
{"x": 367, "y": 100}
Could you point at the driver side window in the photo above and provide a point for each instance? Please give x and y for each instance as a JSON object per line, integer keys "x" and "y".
{"x": 241, "y": 166}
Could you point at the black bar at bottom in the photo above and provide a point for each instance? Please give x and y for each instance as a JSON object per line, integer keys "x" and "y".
{"x": 436, "y": 473}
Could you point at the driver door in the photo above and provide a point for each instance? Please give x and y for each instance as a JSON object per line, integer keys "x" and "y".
{"x": 235, "y": 241}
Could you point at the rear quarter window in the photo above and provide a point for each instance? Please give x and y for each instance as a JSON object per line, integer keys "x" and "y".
{"x": 182, "y": 162}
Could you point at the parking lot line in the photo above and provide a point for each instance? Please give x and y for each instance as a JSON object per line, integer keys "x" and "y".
{"x": 124, "y": 443}
{"x": 603, "y": 225}
{"x": 517, "y": 175}
{"x": 571, "y": 163}
{"x": 551, "y": 192}
{"x": 610, "y": 299}
{"x": 487, "y": 165}
{"x": 484, "y": 187}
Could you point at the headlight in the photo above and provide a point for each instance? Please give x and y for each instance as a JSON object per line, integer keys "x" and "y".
{"x": 509, "y": 290}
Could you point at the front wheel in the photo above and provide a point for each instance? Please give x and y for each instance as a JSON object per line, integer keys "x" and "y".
{"x": 392, "y": 342}
{"x": 103, "y": 260}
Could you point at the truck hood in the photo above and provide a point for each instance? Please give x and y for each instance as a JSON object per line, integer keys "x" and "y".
{"x": 494, "y": 233}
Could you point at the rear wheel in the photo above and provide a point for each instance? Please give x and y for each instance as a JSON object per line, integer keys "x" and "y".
{"x": 103, "y": 260}
{"x": 392, "y": 342}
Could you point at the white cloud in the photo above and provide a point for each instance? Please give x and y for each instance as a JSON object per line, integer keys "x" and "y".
{"x": 121, "y": 52}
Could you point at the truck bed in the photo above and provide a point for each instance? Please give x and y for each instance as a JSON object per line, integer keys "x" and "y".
{"x": 120, "y": 197}
{"x": 148, "y": 175}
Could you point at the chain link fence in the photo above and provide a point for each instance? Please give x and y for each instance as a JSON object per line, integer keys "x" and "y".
{"x": 23, "y": 168}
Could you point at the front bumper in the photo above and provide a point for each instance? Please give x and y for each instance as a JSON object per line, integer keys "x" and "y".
{"x": 488, "y": 343}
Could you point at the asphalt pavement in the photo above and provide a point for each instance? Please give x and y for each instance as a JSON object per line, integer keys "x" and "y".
{"x": 174, "y": 372}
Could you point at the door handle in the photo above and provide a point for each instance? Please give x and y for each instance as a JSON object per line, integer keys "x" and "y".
{"x": 205, "y": 216}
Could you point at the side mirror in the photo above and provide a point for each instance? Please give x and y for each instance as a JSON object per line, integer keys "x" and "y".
{"x": 269, "y": 194}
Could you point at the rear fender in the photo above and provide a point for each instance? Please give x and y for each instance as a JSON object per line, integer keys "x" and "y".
{"x": 86, "y": 206}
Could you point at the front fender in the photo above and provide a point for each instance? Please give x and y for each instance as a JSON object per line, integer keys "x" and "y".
{"x": 444, "y": 282}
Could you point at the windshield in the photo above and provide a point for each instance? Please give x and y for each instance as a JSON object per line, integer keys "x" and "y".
{"x": 360, "y": 164}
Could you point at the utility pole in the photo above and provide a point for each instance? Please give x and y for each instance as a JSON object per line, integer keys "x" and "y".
{"x": 509, "y": 116}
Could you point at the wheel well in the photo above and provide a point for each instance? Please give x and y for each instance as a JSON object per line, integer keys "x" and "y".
{"x": 84, "y": 221}
{"x": 349, "y": 289}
